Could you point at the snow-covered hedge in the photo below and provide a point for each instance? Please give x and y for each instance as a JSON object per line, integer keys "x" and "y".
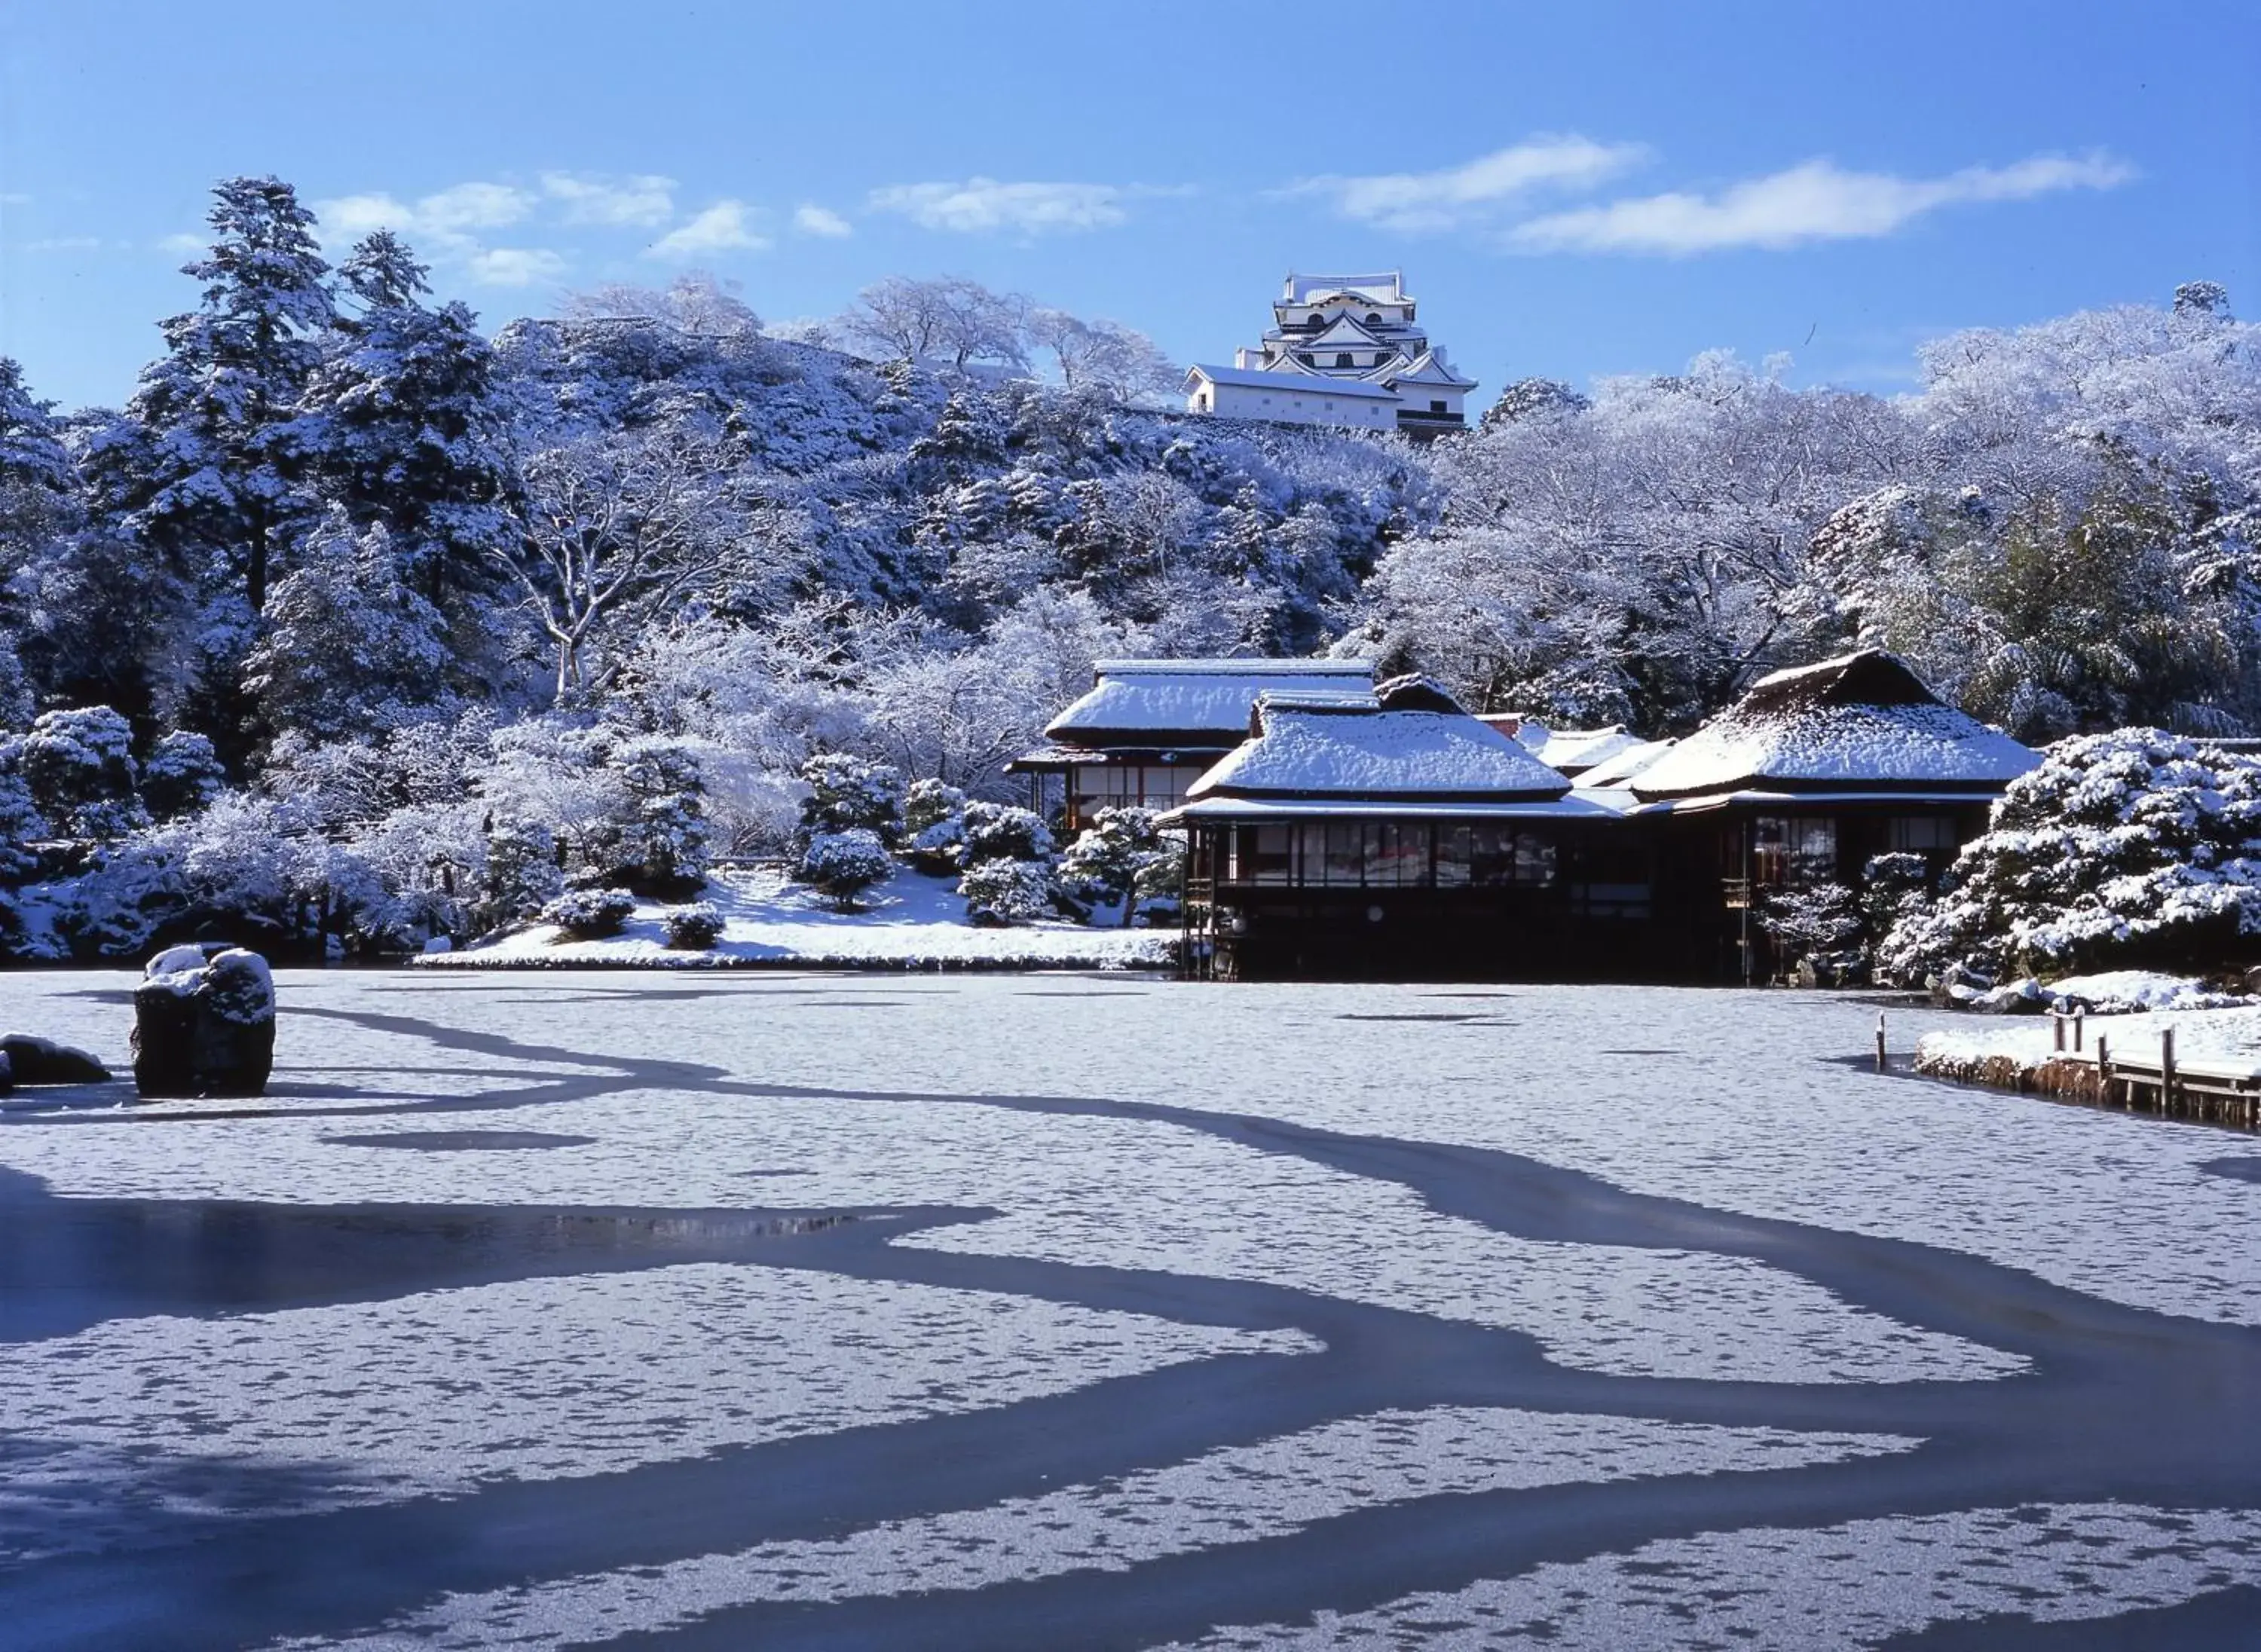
{"x": 693, "y": 927}
{"x": 591, "y": 914}
{"x": 2137, "y": 847}
{"x": 1003, "y": 892}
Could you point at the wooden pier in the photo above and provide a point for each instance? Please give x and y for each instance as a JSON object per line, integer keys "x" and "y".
{"x": 2141, "y": 1077}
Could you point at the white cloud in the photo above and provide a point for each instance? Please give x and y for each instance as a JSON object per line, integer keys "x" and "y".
{"x": 645, "y": 201}
{"x": 63, "y": 244}
{"x": 1476, "y": 191}
{"x": 981, "y": 204}
{"x": 515, "y": 266}
{"x": 468, "y": 206}
{"x": 1814, "y": 202}
{"x": 725, "y": 226}
{"x": 820, "y": 221}
{"x": 183, "y": 244}
{"x": 442, "y": 224}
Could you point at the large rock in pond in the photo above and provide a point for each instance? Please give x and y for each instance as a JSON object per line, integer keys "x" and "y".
{"x": 203, "y": 1023}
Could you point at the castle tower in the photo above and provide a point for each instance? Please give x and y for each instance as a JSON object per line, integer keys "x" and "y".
{"x": 1342, "y": 350}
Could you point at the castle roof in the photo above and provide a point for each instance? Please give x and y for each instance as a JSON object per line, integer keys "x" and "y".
{"x": 1387, "y": 288}
{"x": 1429, "y": 368}
{"x": 1346, "y": 329}
{"x": 1291, "y": 376}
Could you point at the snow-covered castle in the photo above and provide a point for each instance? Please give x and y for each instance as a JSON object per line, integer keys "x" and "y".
{"x": 1342, "y": 350}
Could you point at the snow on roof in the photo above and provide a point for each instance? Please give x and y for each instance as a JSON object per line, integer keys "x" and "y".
{"x": 1574, "y": 750}
{"x": 1386, "y": 288}
{"x": 1429, "y": 368}
{"x": 1865, "y": 720}
{"x": 1572, "y": 805}
{"x": 1620, "y": 769}
{"x": 1411, "y": 742}
{"x": 1345, "y": 329}
{"x": 1196, "y": 696}
{"x": 1296, "y": 378}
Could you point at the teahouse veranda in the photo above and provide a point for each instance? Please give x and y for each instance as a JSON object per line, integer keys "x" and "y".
{"x": 1380, "y": 831}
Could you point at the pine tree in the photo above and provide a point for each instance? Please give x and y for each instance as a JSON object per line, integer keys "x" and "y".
{"x": 403, "y": 424}
{"x": 220, "y": 486}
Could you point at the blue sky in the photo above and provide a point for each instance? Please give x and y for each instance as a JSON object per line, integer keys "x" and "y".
{"x": 1572, "y": 189}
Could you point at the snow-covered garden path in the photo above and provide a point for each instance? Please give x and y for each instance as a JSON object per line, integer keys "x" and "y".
{"x": 1048, "y": 1311}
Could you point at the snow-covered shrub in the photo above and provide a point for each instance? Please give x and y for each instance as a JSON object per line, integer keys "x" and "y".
{"x": 999, "y": 831}
{"x": 20, "y": 823}
{"x": 1003, "y": 892}
{"x": 1122, "y": 858}
{"x": 848, "y": 793}
{"x": 247, "y": 866}
{"x": 844, "y": 864}
{"x": 80, "y": 767}
{"x": 692, "y": 928}
{"x": 591, "y": 914}
{"x": 1816, "y": 931}
{"x": 181, "y": 776}
{"x": 934, "y": 827}
{"x": 2134, "y": 847}
{"x": 663, "y": 843}
{"x": 520, "y": 875}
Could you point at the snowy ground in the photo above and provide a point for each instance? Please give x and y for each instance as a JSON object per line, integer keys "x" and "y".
{"x": 1095, "y": 1310}
{"x": 912, "y": 920}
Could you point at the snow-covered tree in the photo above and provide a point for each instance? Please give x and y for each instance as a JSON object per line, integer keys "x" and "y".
{"x": 844, "y": 864}
{"x": 934, "y": 826}
{"x": 619, "y": 531}
{"x": 1103, "y": 355}
{"x": 214, "y": 477}
{"x": 80, "y": 767}
{"x": 403, "y": 425}
{"x": 950, "y": 319}
{"x": 348, "y": 648}
{"x": 2137, "y": 847}
{"x": 662, "y": 845}
{"x": 1119, "y": 857}
{"x": 999, "y": 893}
{"x": 183, "y": 774}
{"x": 520, "y": 875}
{"x": 850, "y": 794}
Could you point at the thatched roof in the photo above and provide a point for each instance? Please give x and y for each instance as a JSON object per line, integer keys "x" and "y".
{"x": 1191, "y": 702}
{"x": 1409, "y": 741}
{"x": 1864, "y": 722}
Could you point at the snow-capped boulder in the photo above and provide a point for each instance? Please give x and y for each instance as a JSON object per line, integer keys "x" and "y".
{"x": 203, "y": 1023}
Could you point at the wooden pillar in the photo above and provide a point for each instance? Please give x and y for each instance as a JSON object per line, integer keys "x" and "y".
{"x": 2166, "y": 1069}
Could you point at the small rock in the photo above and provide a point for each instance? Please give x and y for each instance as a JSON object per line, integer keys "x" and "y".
{"x": 43, "y": 1061}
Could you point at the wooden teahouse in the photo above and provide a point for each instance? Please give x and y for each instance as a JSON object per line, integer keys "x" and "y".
{"x": 1149, "y": 729}
{"x": 1810, "y": 775}
{"x": 1391, "y": 835}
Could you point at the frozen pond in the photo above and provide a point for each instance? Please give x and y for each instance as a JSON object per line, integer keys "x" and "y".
{"x": 989, "y": 1312}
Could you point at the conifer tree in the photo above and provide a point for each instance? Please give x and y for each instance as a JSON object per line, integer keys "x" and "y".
{"x": 402, "y": 425}
{"x": 215, "y": 480}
